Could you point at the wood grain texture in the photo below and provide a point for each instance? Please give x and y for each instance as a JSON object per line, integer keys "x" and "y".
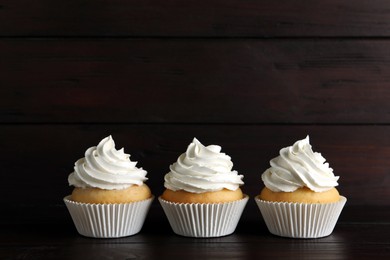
{"x": 250, "y": 75}
{"x": 214, "y": 18}
{"x": 43, "y": 237}
{"x": 194, "y": 81}
{"x": 38, "y": 158}
{"x": 236, "y": 246}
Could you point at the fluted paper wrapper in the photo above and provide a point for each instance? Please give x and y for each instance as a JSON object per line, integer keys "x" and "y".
{"x": 204, "y": 220}
{"x": 300, "y": 220}
{"x": 108, "y": 220}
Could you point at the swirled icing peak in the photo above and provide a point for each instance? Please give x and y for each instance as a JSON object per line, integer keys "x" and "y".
{"x": 298, "y": 166}
{"x": 105, "y": 167}
{"x": 202, "y": 169}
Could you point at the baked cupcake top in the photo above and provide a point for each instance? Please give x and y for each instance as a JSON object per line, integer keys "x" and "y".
{"x": 298, "y": 166}
{"x": 202, "y": 169}
{"x": 106, "y": 168}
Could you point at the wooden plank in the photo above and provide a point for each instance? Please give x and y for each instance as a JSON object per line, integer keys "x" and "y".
{"x": 214, "y": 18}
{"x": 44, "y": 238}
{"x": 204, "y": 248}
{"x": 38, "y": 158}
{"x": 195, "y": 81}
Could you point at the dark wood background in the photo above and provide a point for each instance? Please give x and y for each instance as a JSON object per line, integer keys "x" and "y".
{"x": 252, "y": 76}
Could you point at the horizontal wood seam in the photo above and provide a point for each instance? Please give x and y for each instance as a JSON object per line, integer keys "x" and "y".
{"x": 189, "y": 37}
{"x": 191, "y": 123}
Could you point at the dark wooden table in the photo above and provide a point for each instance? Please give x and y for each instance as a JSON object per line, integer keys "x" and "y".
{"x": 48, "y": 233}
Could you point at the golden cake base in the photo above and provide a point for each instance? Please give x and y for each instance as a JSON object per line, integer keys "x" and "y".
{"x": 301, "y": 195}
{"x": 100, "y": 196}
{"x": 221, "y": 196}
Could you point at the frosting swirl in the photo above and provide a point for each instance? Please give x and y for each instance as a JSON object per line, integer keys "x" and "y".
{"x": 202, "y": 169}
{"x": 105, "y": 167}
{"x": 298, "y": 166}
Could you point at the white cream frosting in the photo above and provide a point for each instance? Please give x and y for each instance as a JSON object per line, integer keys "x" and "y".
{"x": 105, "y": 167}
{"x": 298, "y": 166}
{"x": 202, "y": 169}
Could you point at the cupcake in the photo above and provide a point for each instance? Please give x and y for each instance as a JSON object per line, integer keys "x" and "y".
{"x": 202, "y": 196}
{"x": 109, "y": 198}
{"x": 299, "y": 199}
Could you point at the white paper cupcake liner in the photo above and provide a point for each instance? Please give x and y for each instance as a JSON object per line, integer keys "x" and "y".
{"x": 300, "y": 220}
{"x": 108, "y": 220}
{"x": 204, "y": 220}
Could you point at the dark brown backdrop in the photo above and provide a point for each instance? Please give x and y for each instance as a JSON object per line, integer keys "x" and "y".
{"x": 251, "y": 76}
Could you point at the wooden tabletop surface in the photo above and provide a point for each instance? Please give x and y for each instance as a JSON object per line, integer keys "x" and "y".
{"x": 48, "y": 233}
